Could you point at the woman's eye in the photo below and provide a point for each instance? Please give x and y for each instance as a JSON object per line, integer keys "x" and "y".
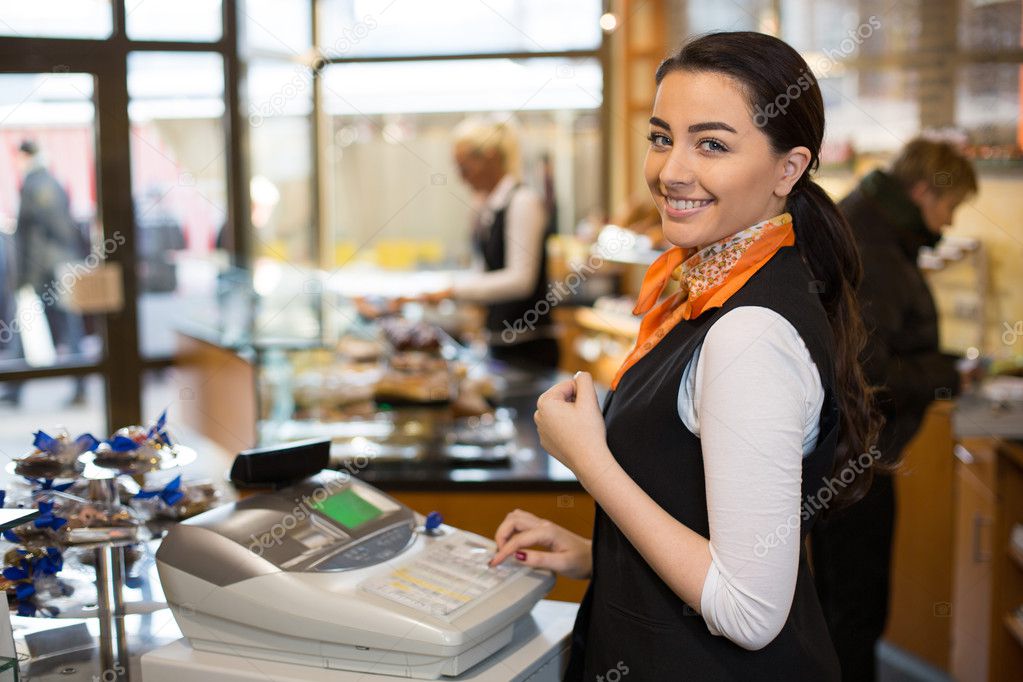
{"x": 659, "y": 139}
{"x": 712, "y": 145}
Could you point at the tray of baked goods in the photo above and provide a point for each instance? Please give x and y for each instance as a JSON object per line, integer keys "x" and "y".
{"x": 395, "y": 391}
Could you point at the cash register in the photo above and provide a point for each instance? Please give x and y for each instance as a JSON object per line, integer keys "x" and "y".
{"x": 333, "y": 573}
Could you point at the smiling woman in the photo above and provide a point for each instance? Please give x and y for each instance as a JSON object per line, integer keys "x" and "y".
{"x": 707, "y": 169}
{"x": 742, "y": 395}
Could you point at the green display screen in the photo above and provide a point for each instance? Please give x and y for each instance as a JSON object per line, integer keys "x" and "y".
{"x": 347, "y": 508}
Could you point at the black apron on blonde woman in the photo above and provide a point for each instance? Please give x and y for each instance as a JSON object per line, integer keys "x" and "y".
{"x": 535, "y": 346}
{"x": 630, "y": 619}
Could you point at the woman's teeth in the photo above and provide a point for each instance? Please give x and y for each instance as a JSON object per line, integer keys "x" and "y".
{"x": 687, "y": 205}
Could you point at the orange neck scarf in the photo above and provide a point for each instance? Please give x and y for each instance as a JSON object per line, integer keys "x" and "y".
{"x": 707, "y": 278}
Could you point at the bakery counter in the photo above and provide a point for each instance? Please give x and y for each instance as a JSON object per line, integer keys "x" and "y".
{"x": 434, "y": 462}
{"x": 252, "y": 397}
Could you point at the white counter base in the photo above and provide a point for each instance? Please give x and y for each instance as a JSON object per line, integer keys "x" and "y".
{"x": 538, "y": 652}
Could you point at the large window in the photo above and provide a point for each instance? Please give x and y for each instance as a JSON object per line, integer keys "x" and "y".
{"x": 890, "y": 69}
{"x": 400, "y": 77}
{"x": 179, "y": 188}
{"x": 392, "y": 146}
{"x": 56, "y": 18}
{"x": 410, "y": 28}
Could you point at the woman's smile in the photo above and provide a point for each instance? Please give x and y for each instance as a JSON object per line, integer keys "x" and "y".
{"x": 678, "y": 209}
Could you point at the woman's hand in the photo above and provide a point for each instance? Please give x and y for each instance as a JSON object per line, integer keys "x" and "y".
{"x": 429, "y": 297}
{"x": 571, "y": 426}
{"x": 563, "y": 552}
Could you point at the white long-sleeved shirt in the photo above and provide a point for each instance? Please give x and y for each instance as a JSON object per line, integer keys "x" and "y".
{"x": 525, "y": 221}
{"x": 753, "y": 396}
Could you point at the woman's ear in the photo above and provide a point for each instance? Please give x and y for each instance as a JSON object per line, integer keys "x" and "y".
{"x": 792, "y": 165}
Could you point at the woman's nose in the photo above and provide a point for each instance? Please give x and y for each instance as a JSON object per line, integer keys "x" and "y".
{"x": 676, "y": 170}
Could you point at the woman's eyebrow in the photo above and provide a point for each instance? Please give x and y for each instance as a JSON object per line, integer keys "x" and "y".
{"x": 711, "y": 125}
{"x": 660, "y": 123}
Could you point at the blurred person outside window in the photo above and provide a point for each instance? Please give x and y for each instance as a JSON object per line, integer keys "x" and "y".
{"x": 46, "y": 238}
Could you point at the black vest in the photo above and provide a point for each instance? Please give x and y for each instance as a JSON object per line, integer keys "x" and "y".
{"x": 629, "y": 616}
{"x": 532, "y": 312}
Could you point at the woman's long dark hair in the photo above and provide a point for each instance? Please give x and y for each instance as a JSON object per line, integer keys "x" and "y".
{"x": 786, "y": 104}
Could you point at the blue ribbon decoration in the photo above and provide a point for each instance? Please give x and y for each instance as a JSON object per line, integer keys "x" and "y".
{"x": 11, "y": 536}
{"x": 52, "y": 446}
{"x": 47, "y": 519}
{"x": 170, "y": 494}
{"x": 122, "y": 444}
{"x": 86, "y": 443}
{"x": 15, "y": 573}
{"x": 23, "y": 591}
{"x": 47, "y": 484}
{"x": 45, "y": 442}
{"x": 158, "y": 430}
{"x": 50, "y": 563}
{"x": 28, "y": 569}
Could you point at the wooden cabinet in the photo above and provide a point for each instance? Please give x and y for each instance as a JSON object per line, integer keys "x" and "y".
{"x": 1006, "y": 653}
{"x": 955, "y": 580}
{"x": 921, "y": 607}
{"x": 972, "y": 556}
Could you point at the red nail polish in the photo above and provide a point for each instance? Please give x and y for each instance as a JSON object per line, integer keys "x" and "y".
{"x": 521, "y": 556}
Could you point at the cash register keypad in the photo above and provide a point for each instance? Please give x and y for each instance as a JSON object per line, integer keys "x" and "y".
{"x": 371, "y": 551}
{"x": 449, "y": 574}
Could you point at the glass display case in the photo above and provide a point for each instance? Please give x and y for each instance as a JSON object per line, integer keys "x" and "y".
{"x": 390, "y": 382}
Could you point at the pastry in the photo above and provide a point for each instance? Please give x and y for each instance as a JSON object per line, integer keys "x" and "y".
{"x": 134, "y": 447}
{"x": 418, "y": 387}
{"x": 361, "y": 350}
{"x": 54, "y": 457}
{"x": 470, "y": 404}
{"x": 404, "y": 335}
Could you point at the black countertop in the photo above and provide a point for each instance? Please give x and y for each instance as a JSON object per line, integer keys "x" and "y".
{"x": 527, "y": 468}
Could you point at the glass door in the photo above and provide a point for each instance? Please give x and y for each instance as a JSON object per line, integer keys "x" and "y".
{"x": 65, "y": 241}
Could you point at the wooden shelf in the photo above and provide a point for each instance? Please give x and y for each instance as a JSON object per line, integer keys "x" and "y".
{"x": 608, "y": 322}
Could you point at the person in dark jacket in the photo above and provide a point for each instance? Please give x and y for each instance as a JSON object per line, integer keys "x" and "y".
{"x": 892, "y": 213}
{"x": 47, "y": 237}
{"x": 10, "y": 340}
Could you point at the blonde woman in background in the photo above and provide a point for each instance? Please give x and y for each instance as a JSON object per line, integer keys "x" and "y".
{"x": 509, "y": 232}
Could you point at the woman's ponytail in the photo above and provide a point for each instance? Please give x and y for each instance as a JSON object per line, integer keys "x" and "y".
{"x": 825, "y": 241}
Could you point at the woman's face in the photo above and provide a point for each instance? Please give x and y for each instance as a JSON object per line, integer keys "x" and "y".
{"x": 710, "y": 169}
{"x": 481, "y": 170}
